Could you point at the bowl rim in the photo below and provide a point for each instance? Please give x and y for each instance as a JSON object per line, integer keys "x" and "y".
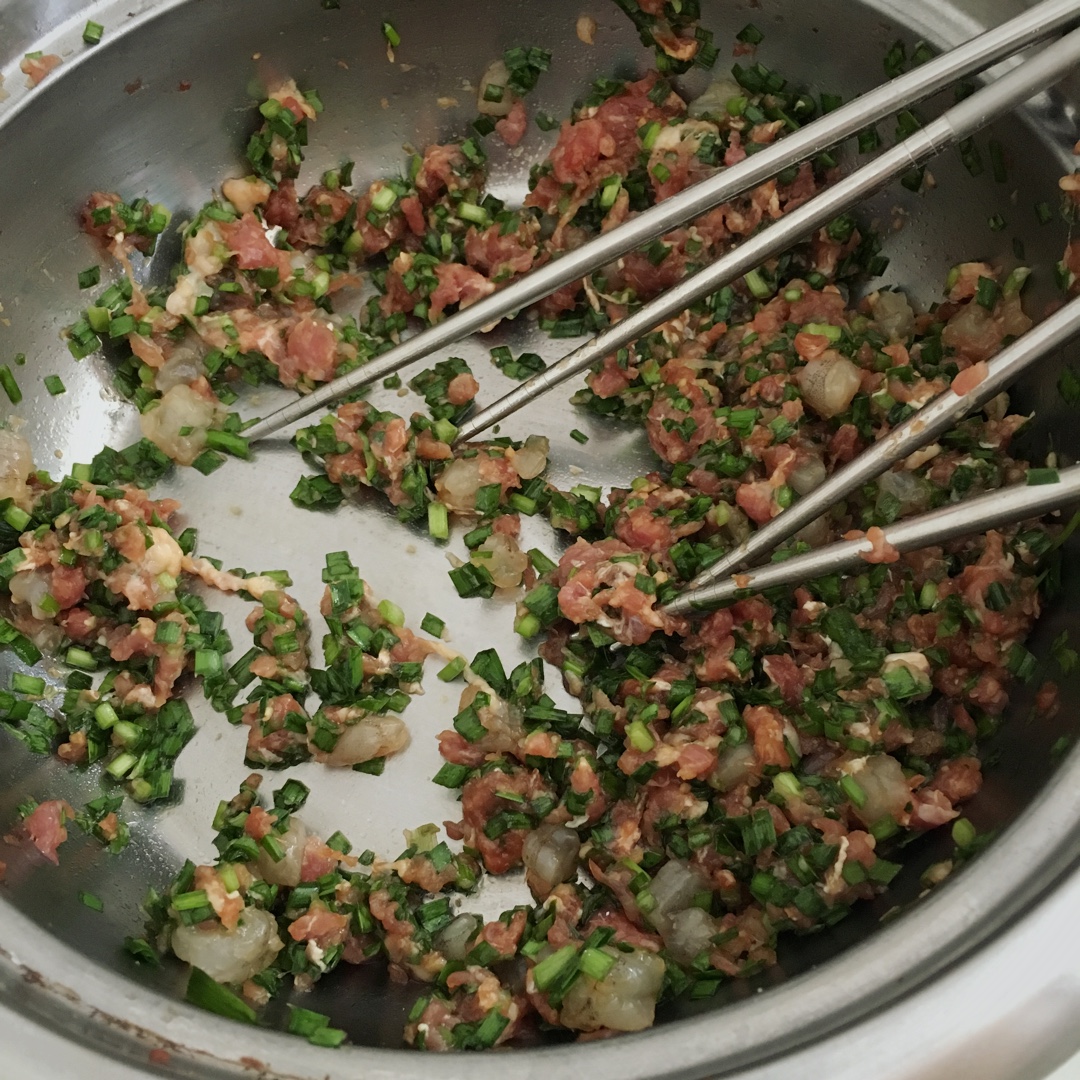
{"x": 53, "y": 984}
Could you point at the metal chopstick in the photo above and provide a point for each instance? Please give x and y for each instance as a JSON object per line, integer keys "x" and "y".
{"x": 932, "y": 420}
{"x": 964, "y": 118}
{"x": 1010, "y": 504}
{"x": 1033, "y": 26}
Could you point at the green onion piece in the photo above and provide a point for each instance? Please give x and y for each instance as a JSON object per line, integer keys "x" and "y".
{"x": 986, "y": 292}
{"x": 471, "y": 212}
{"x": 383, "y": 199}
{"x": 91, "y": 34}
{"x": 540, "y": 562}
{"x": 527, "y": 625}
{"x": 167, "y": 633}
{"x": 11, "y": 387}
{"x": 609, "y": 191}
{"x": 550, "y": 968}
{"x": 91, "y": 901}
{"x": 438, "y": 521}
{"x": 392, "y": 36}
{"x": 391, "y": 613}
{"x": 467, "y": 723}
{"x": 853, "y": 790}
{"x": 1021, "y": 662}
{"x": 54, "y": 384}
{"x": 105, "y": 715}
{"x": 963, "y": 833}
{"x": 579, "y": 436}
{"x": 229, "y": 877}
{"x": 121, "y": 326}
{"x": 451, "y": 776}
{"x": 17, "y": 518}
{"x": 127, "y": 733}
{"x": 648, "y": 134}
{"x": 80, "y": 658}
{"x": 596, "y": 964}
{"x": 27, "y": 684}
{"x": 758, "y": 286}
{"x": 640, "y": 737}
{"x": 433, "y": 625}
{"x": 750, "y": 35}
{"x": 785, "y": 784}
{"x": 208, "y": 663}
{"x": 272, "y": 846}
{"x": 229, "y": 443}
{"x": 1042, "y": 476}
{"x": 90, "y": 277}
{"x": 826, "y": 330}
{"x": 212, "y": 996}
{"x": 453, "y": 669}
{"x": 121, "y": 765}
{"x": 208, "y": 461}
{"x": 1016, "y": 280}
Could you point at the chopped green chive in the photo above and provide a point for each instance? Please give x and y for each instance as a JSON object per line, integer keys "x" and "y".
{"x": 92, "y": 32}
{"x": 91, "y": 901}
{"x": 383, "y": 199}
{"x": 212, "y": 996}
{"x": 391, "y": 613}
{"x": 315, "y": 1027}
{"x": 17, "y": 518}
{"x": 963, "y": 833}
{"x": 438, "y": 521}
{"x": 758, "y": 286}
{"x": 27, "y": 684}
{"x": 986, "y": 292}
{"x": 229, "y": 443}
{"x": 550, "y": 968}
{"x": 453, "y": 669}
{"x": 393, "y": 38}
{"x": 451, "y": 776}
{"x": 640, "y": 737}
{"x": 853, "y": 790}
{"x": 90, "y": 277}
{"x": 80, "y": 658}
{"x": 1036, "y": 477}
{"x": 54, "y": 384}
{"x": 11, "y": 387}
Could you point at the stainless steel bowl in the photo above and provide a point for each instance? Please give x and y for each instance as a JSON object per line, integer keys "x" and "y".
{"x": 946, "y": 981}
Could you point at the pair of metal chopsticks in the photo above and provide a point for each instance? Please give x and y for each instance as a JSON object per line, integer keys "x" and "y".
{"x": 974, "y": 112}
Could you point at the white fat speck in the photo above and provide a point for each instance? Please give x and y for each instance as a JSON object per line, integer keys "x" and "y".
{"x": 315, "y": 955}
{"x": 915, "y": 662}
{"x": 834, "y": 881}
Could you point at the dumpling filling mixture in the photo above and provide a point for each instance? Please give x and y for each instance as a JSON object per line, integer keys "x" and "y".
{"x": 725, "y": 779}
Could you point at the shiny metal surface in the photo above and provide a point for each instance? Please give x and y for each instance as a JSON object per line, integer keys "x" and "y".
{"x": 929, "y": 423}
{"x": 962, "y": 120}
{"x": 869, "y": 108}
{"x": 843, "y": 1003}
{"x": 1017, "y": 502}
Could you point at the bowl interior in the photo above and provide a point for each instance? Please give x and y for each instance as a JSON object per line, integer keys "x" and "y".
{"x": 164, "y": 112}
